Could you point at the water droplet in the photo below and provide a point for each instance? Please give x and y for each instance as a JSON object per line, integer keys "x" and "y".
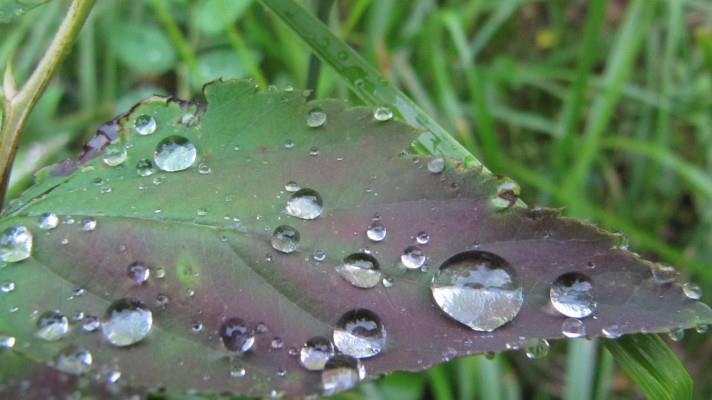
{"x": 160, "y": 273}
{"x": 612, "y": 332}
{"x": 360, "y": 333}
{"x": 537, "y": 348}
{"x": 88, "y": 224}
{"x": 387, "y": 282}
{"x": 126, "y": 322}
{"x": 316, "y": 118}
{"x": 7, "y": 342}
{"x": 573, "y": 328}
{"x": 319, "y": 255}
{"x": 436, "y": 165}
{"x": 285, "y": 239}
{"x": 376, "y": 232}
{"x": 291, "y": 186}
{"x": 361, "y": 270}
{"x": 48, "y": 221}
{"x": 676, "y": 334}
{"x": 315, "y": 353}
{"x": 314, "y": 151}
{"x": 261, "y": 328}
{"x": 90, "y": 324}
{"x": 115, "y": 155}
{"x": 340, "y": 373}
{"x": 572, "y": 295}
{"x": 277, "y": 343}
{"x": 478, "y": 289}
{"x": 52, "y": 326}
{"x": 422, "y": 238}
{"x": 144, "y": 167}
{"x": 15, "y": 244}
{"x": 174, "y": 153}
{"x": 7, "y": 286}
{"x": 237, "y": 335}
{"x": 289, "y": 144}
{"x": 74, "y": 360}
{"x": 382, "y": 114}
{"x": 204, "y": 169}
{"x": 692, "y": 291}
{"x": 305, "y": 204}
{"x": 413, "y": 257}
{"x": 701, "y": 328}
{"x": 145, "y": 125}
{"x": 663, "y": 274}
{"x": 236, "y": 370}
{"x": 138, "y": 273}
{"x": 197, "y": 327}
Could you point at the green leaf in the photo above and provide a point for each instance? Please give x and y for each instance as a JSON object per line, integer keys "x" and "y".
{"x": 220, "y": 64}
{"x": 213, "y": 15}
{"x": 209, "y": 229}
{"x": 143, "y": 48}
{"x": 11, "y": 9}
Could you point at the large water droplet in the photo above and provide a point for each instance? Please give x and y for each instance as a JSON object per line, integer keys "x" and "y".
{"x": 376, "y": 232}
{"x": 305, "y": 204}
{"x": 360, "y": 333}
{"x": 340, "y": 373}
{"x": 478, "y": 289}
{"x": 573, "y": 328}
{"x": 285, "y": 239}
{"x": 48, "y": 221}
{"x": 145, "y": 125}
{"x": 316, "y": 118}
{"x": 174, "y": 153}
{"x": 138, "y": 273}
{"x": 361, "y": 270}
{"x": 52, "y": 326}
{"x": 237, "y": 335}
{"x": 74, "y": 360}
{"x": 115, "y": 155}
{"x": 15, "y": 244}
{"x": 413, "y": 257}
{"x": 382, "y": 113}
{"x": 572, "y": 295}
{"x": 315, "y": 353}
{"x": 127, "y": 321}
{"x": 537, "y": 348}
{"x": 692, "y": 291}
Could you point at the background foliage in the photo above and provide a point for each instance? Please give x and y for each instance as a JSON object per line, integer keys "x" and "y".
{"x": 603, "y": 107}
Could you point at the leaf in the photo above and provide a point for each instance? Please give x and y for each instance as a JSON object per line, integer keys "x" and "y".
{"x": 210, "y": 233}
{"x": 11, "y": 9}
{"x": 220, "y": 64}
{"x": 143, "y": 48}
{"x": 213, "y": 15}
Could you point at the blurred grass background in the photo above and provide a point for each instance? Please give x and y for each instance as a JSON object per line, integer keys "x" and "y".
{"x": 603, "y": 107}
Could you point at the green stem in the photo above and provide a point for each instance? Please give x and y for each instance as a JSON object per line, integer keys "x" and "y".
{"x": 17, "y": 106}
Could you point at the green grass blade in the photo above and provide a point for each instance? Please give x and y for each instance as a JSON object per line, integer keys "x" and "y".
{"x": 653, "y": 366}
{"x": 580, "y": 370}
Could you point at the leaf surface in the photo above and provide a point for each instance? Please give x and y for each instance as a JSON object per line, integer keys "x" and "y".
{"x": 11, "y": 9}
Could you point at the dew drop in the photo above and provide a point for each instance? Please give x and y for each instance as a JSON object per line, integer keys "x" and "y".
{"x": 572, "y": 295}
{"x": 174, "y": 153}
{"x": 382, "y": 114}
{"x": 144, "y": 167}
{"x": 319, "y": 255}
{"x": 74, "y": 360}
{"x": 316, "y": 118}
{"x": 115, "y": 155}
{"x": 88, "y": 224}
{"x": 573, "y": 328}
{"x": 422, "y": 238}
{"x": 91, "y": 323}
{"x": 436, "y": 165}
{"x": 341, "y": 372}
{"x": 48, "y": 221}
{"x": 612, "y": 332}
{"x": 315, "y": 353}
{"x": 15, "y": 244}
{"x": 138, "y": 273}
{"x": 52, "y": 326}
{"x": 7, "y": 286}
{"x": 359, "y": 333}
{"x": 361, "y": 270}
{"x": 237, "y": 335}
{"x": 413, "y": 257}
{"x": 663, "y": 274}
{"x": 289, "y": 144}
{"x": 478, "y": 289}
{"x": 701, "y": 328}
{"x": 145, "y": 125}
{"x": 305, "y": 204}
{"x": 7, "y": 342}
{"x": 692, "y": 291}
{"x": 537, "y": 348}
{"x": 204, "y": 169}
{"x": 314, "y": 151}
{"x": 126, "y": 322}
{"x": 387, "y": 282}
{"x": 291, "y": 186}
{"x": 376, "y": 232}
{"x": 285, "y": 239}
{"x": 676, "y": 334}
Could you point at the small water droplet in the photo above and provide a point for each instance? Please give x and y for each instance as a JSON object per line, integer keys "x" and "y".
{"x": 316, "y": 118}
{"x": 387, "y": 282}
{"x": 7, "y": 286}
{"x": 115, "y": 155}
{"x": 289, "y": 144}
{"x": 314, "y": 151}
{"x": 277, "y": 343}
{"x": 422, "y": 238}
{"x": 174, "y": 153}
{"x": 537, "y": 348}
{"x": 91, "y": 323}
{"x": 48, "y": 221}
{"x": 261, "y": 328}
{"x": 138, "y": 273}
{"x": 612, "y": 332}
{"x": 413, "y": 257}
{"x": 360, "y": 333}
{"x": 237, "y": 335}
{"x": 197, "y": 327}
{"x": 285, "y": 239}
{"x": 160, "y": 273}
{"x": 319, "y": 255}
{"x": 361, "y": 270}
{"x": 436, "y": 165}
{"x": 74, "y": 360}
{"x": 126, "y": 322}
{"x": 52, "y": 326}
{"x": 701, "y": 328}
{"x": 162, "y": 300}
{"x": 315, "y": 353}
{"x": 692, "y": 291}
{"x": 15, "y": 244}
{"x": 572, "y": 295}
{"x": 236, "y": 370}
{"x": 204, "y": 169}
{"x": 341, "y": 372}
{"x": 478, "y": 289}
{"x": 7, "y": 342}
{"x": 88, "y": 224}
{"x": 573, "y": 328}
{"x": 144, "y": 167}
{"x": 382, "y": 113}
{"x": 676, "y": 334}
{"x": 291, "y": 186}
{"x": 145, "y": 125}
{"x": 305, "y": 204}
{"x": 663, "y": 274}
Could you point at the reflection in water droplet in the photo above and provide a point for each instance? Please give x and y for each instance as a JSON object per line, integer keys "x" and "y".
{"x": 413, "y": 257}
{"x": 174, "y": 153}
{"x": 436, "y": 165}
{"x": 537, "y": 348}
{"x": 663, "y": 274}
{"x": 422, "y": 238}
{"x": 144, "y": 167}
{"x": 7, "y": 342}
{"x": 361, "y": 270}
{"x": 88, "y": 224}
{"x": 692, "y": 291}
{"x": 382, "y": 113}
{"x": 15, "y": 244}
{"x": 676, "y": 334}
{"x": 145, "y": 125}
{"x": 138, "y": 273}
{"x": 115, "y": 155}
{"x": 237, "y": 335}
{"x": 573, "y": 328}
{"x": 316, "y": 118}
{"x": 48, "y": 221}
{"x": 572, "y": 295}
{"x": 52, "y": 326}
{"x": 612, "y": 332}
{"x": 127, "y": 321}
{"x": 285, "y": 239}
{"x": 376, "y": 232}
{"x": 360, "y": 333}
{"x": 340, "y": 373}
{"x": 74, "y": 360}
{"x": 305, "y": 204}
{"x": 315, "y": 353}
{"x": 478, "y": 289}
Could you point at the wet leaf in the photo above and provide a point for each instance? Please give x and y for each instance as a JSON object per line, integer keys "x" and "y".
{"x": 208, "y": 235}
{"x": 11, "y": 9}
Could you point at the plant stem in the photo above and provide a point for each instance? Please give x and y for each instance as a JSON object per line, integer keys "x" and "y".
{"x": 17, "y": 106}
